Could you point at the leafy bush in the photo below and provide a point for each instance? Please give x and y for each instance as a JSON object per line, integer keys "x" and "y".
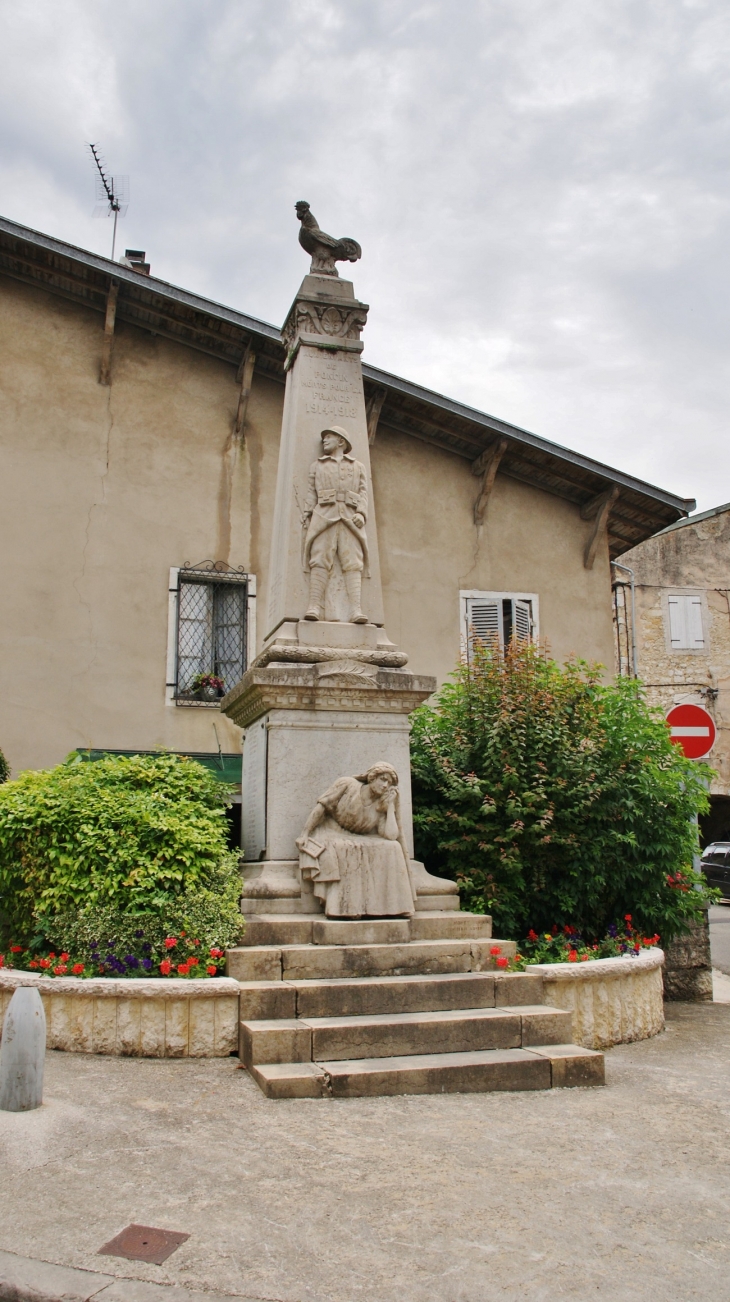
{"x": 127, "y": 833}
{"x": 4, "y": 768}
{"x": 188, "y": 939}
{"x": 552, "y": 799}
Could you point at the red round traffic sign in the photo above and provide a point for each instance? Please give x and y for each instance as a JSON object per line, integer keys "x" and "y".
{"x": 692, "y": 728}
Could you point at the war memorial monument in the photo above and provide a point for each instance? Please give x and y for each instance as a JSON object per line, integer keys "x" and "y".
{"x": 361, "y": 974}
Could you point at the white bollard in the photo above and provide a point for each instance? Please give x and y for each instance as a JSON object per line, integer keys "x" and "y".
{"x": 23, "y": 1052}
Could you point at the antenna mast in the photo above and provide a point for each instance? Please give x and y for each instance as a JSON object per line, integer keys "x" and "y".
{"x": 113, "y": 193}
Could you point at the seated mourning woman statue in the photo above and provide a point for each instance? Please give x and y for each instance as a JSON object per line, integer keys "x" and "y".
{"x": 352, "y": 846}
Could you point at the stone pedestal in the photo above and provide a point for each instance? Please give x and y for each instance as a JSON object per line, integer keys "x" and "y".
{"x": 304, "y": 726}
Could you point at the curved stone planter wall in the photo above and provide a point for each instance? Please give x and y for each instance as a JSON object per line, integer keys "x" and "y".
{"x": 613, "y": 1000}
{"x": 171, "y": 1018}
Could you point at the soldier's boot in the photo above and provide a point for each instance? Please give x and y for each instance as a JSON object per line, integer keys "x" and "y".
{"x": 353, "y": 585}
{"x": 317, "y": 588}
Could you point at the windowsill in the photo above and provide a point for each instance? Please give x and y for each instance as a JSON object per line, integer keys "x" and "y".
{"x": 196, "y": 700}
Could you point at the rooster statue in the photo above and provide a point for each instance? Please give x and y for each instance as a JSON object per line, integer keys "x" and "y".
{"x": 325, "y": 250}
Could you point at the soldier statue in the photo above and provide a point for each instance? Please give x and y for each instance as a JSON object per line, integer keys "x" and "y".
{"x": 334, "y": 522}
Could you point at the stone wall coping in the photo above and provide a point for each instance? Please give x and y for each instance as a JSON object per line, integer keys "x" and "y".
{"x": 124, "y": 988}
{"x": 598, "y": 969}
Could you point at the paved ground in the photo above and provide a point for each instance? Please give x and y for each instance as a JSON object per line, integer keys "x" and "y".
{"x": 720, "y": 937}
{"x": 622, "y": 1193}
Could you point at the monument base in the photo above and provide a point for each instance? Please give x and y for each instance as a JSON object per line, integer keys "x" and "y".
{"x": 277, "y": 886}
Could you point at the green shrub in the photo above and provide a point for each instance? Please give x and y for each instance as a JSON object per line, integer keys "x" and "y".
{"x": 554, "y": 800}
{"x": 105, "y": 940}
{"x": 130, "y": 833}
{"x": 4, "y": 768}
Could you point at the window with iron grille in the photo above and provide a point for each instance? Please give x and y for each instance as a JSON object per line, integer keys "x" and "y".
{"x": 212, "y": 618}
{"x": 498, "y": 618}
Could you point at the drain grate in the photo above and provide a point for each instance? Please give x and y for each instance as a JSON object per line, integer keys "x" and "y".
{"x": 143, "y": 1243}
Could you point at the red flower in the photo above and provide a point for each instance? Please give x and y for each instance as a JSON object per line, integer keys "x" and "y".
{"x": 170, "y": 941}
{"x": 532, "y": 935}
{"x": 216, "y": 953}
{"x": 16, "y": 949}
{"x": 572, "y": 956}
{"x": 45, "y": 962}
{"x": 502, "y": 962}
{"x": 2, "y": 960}
{"x": 165, "y": 966}
{"x": 211, "y": 969}
{"x": 193, "y": 962}
{"x": 495, "y": 950}
{"x": 627, "y": 917}
{"x": 61, "y": 970}
{"x": 51, "y": 955}
{"x": 183, "y": 969}
{"x": 196, "y": 942}
{"x": 63, "y": 958}
{"x": 33, "y": 963}
{"x": 584, "y": 958}
{"x": 77, "y": 969}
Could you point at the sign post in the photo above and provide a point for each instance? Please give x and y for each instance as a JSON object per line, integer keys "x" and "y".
{"x": 692, "y": 728}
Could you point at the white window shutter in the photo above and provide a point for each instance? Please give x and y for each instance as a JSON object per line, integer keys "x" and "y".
{"x": 677, "y": 623}
{"x": 522, "y": 622}
{"x": 685, "y": 622}
{"x": 483, "y": 620}
{"x": 696, "y": 638}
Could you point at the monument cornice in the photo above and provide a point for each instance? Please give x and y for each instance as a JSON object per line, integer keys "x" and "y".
{"x": 355, "y": 687}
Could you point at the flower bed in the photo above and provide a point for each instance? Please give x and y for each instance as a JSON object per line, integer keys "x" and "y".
{"x": 613, "y": 1000}
{"x": 150, "y": 1018}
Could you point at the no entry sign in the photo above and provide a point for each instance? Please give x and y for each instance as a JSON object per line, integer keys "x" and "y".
{"x": 692, "y": 728}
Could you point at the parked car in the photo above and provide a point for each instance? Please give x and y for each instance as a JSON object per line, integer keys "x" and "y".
{"x": 715, "y": 865}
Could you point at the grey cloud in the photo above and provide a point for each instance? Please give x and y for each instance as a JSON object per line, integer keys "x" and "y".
{"x": 540, "y": 187}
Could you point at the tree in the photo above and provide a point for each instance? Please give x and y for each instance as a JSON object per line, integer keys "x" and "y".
{"x": 553, "y": 799}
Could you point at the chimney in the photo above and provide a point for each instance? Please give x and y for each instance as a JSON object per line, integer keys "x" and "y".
{"x": 134, "y": 258}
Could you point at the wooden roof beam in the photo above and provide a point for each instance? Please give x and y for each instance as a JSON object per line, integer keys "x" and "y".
{"x": 600, "y": 507}
{"x": 105, "y": 370}
{"x": 487, "y": 466}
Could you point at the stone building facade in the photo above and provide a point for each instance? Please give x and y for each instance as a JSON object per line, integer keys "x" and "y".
{"x": 680, "y": 638}
{"x": 140, "y": 428}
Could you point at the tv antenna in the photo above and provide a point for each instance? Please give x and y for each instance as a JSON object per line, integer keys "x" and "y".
{"x": 113, "y": 193}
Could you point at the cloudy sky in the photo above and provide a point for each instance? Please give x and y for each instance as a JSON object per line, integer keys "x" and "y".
{"x": 541, "y": 187}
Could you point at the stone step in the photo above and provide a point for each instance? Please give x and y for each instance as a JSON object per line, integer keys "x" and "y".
{"x": 264, "y": 1000}
{"x": 306, "y": 962}
{"x": 388, "y": 1035}
{"x": 302, "y": 929}
{"x": 537, "y": 1068}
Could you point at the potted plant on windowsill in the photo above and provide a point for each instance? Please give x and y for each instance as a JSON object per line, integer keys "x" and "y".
{"x": 207, "y": 687}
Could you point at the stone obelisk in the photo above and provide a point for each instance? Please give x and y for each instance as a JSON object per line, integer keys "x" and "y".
{"x": 329, "y": 693}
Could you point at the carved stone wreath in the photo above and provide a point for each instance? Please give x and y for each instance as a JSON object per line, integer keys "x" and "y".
{"x": 320, "y": 319}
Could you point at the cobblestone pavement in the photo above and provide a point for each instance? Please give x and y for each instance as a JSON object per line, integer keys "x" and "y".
{"x": 618, "y": 1193}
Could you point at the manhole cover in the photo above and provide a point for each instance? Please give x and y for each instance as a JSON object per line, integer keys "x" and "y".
{"x": 143, "y": 1243}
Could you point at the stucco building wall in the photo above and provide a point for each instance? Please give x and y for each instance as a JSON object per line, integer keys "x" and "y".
{"x": 105, "y": 488}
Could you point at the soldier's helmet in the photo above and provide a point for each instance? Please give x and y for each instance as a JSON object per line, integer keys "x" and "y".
{"x": 343, "y": 434}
